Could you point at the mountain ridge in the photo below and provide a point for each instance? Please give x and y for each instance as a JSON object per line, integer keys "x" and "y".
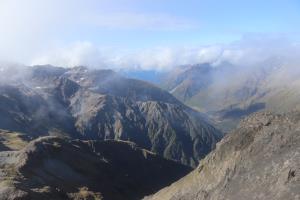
{"x": 258, "y": 160}
{"x": 100, "y": 104}
{"x": 48, "y": 168}
{"x": 227, "y": 93}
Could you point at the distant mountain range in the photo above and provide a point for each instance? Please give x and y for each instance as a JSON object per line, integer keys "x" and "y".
{"x": 80, "y": 133}
{"x": 227, "y": 93}
{"x": 101, "y": 104}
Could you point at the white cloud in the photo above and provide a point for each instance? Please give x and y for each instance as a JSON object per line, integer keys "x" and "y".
{"x": 28, "y": 27}
{"x": 246, "y": 52}
{"x": 43, "y": 32}
{"x": 160, "y": 58}
{"x": 80, "y": 53}
{"x": 255, "y": 49}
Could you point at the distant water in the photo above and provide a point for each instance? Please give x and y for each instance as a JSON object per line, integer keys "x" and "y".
{"x": 151, "y": 76}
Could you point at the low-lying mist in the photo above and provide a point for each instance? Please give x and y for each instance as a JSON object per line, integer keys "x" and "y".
{"x": 244, "y": 71}
{"x": 250, "y": 51}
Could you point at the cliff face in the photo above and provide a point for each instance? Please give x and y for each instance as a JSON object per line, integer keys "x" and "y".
{"x": 258, "y": 160}
{"x": 60, "y": 168}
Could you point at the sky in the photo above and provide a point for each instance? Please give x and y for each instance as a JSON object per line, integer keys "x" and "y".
{"x": 143, "y": 33}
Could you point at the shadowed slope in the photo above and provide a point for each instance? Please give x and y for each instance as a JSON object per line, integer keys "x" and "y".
{"x": 59, "y": 168}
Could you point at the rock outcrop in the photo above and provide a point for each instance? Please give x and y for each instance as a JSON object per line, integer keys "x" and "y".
{"x": 60, "y": 168}
{"x": 258, "y": 160}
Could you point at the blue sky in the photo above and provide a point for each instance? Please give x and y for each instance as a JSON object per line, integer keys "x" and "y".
{"x": 169, "y": 22}
{"x": 212, "y": 21}
{"x": 29, "y": 28}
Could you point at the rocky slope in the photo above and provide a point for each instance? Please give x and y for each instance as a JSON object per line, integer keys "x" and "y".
{"x": 13, "y": 140}
{"x": 25, "y": 110}
{"x": 228, "y": 93}
{"x": 60, "y": 168}
{"x": 101, "y": 104}
{"x": 259, "y": 160}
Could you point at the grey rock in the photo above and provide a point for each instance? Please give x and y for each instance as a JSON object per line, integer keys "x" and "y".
{"x": 60, "y": 168}
{"x": 258, "y": 160}
{"x": 100, "y": 104}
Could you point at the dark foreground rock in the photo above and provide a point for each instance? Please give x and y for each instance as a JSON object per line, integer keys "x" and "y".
{"x": 59, "y": 168}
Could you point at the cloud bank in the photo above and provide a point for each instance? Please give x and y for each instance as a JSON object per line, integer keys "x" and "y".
{"x": 32, "y": 26}
{"x": 249, "y": 51}
{"x": 65, "y": 33}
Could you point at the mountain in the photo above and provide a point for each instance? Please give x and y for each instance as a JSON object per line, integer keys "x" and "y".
{"x": 92, "y": 104}
{"x": 25, "y": 110}
{"x": 60, "y": 168}
{"x": 187, "y": 81}
{"x": 258, "y": 160}
{"x": 227, "y": 93}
